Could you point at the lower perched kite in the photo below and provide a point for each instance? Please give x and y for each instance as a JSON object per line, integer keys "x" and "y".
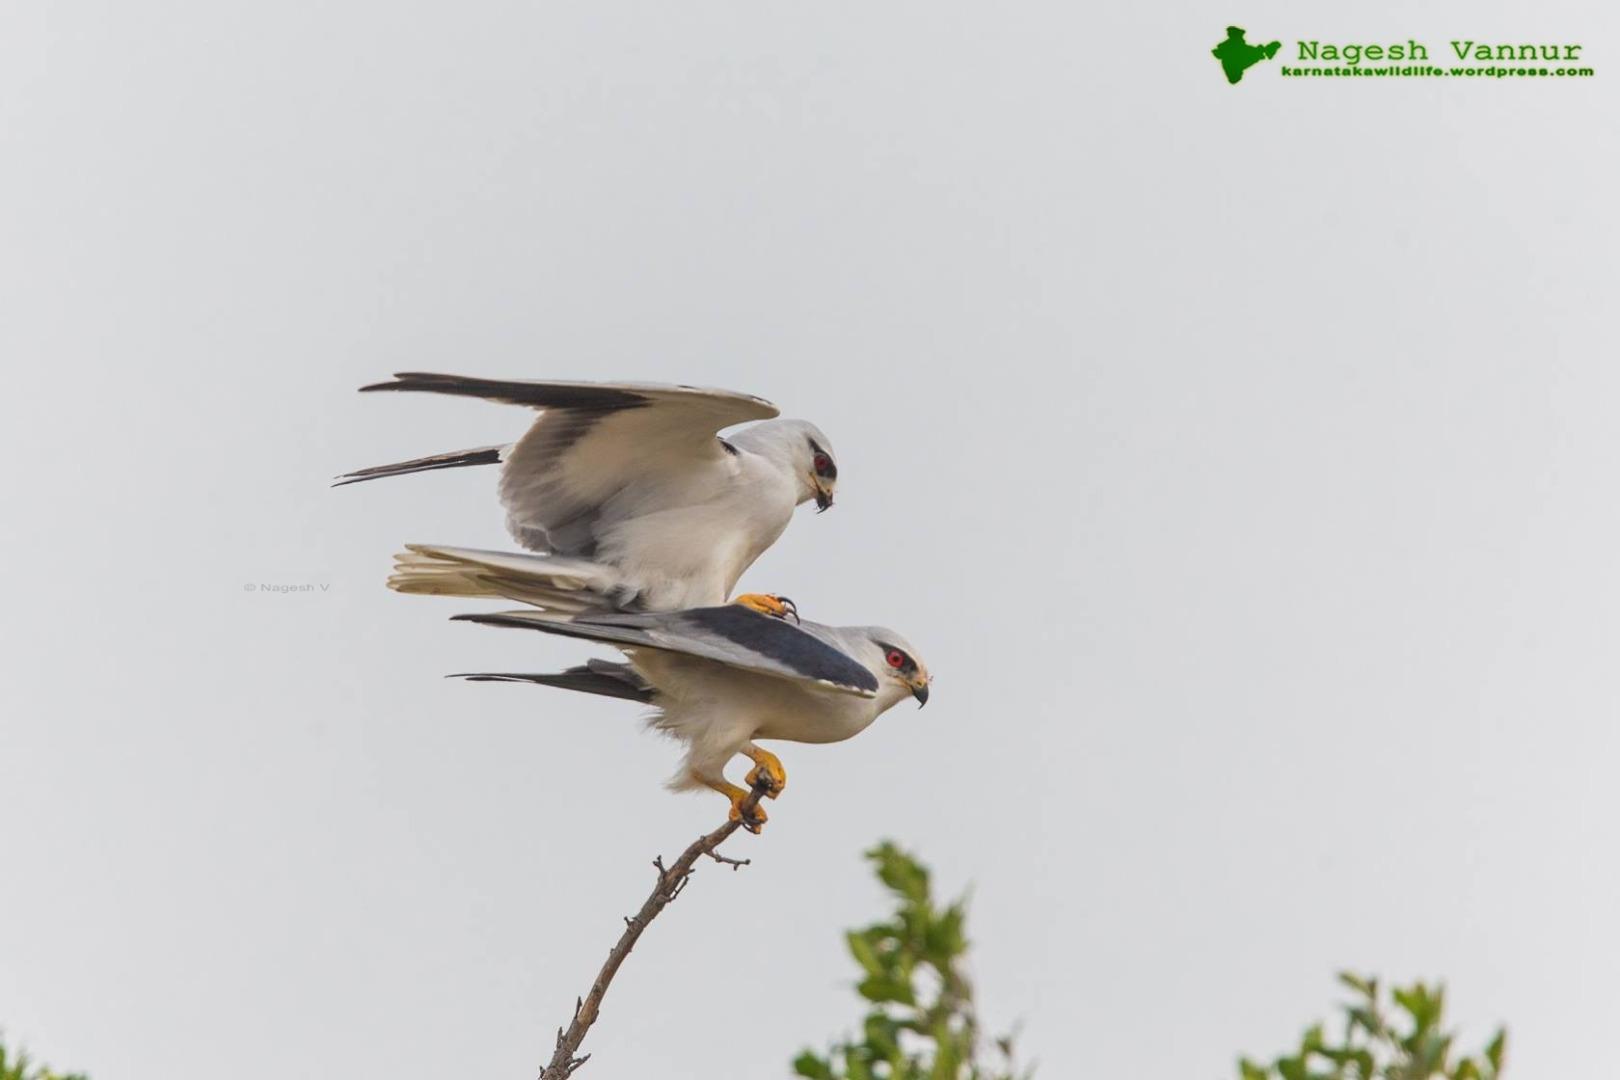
{"x": 721, "y": 677}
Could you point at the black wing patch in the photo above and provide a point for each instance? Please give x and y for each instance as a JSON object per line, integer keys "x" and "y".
{"x": 783, "y": 642}
{"x": 772, "y": 639}
{"x": 516, "y": 392}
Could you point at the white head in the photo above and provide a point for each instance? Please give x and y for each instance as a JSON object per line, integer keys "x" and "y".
{"x": 799, "y": 445}
{"x": 891, "y": 658}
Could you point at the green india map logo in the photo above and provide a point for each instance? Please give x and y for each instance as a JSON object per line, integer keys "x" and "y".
{"x": 1237, "y": 55}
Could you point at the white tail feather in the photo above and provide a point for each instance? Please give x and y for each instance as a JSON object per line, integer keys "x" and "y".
{"x": 561, "y": 585}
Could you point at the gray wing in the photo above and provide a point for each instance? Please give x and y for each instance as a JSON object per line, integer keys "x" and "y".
{"x": 731, "y": 634}
{"x": 595, "y": 445}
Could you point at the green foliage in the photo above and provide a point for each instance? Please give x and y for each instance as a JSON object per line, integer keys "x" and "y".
{"x": 16, "y": 1066}
{"x": 921, "y": 1023}
{"x": 1408, "y": 1042}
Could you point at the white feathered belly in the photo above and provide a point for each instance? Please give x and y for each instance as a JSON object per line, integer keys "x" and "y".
{"x": 692, "y": 556}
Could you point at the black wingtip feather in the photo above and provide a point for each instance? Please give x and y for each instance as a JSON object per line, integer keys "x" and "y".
{"x": 603, "y": 680}
{"x": 539, "y": 395}
{"x": 545, "y": 626}
{"x": 458, "y": 459}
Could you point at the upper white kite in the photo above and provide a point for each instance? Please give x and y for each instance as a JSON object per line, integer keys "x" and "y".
{"x": 631, "y": 490}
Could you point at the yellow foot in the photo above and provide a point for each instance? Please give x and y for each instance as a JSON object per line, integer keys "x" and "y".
{"x": 767, "y": 772}
{"x": 779, "y": 607}
{"x": 755, "y": 819}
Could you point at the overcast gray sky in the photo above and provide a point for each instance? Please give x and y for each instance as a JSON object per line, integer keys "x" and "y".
{"x": 1241, "y": 459}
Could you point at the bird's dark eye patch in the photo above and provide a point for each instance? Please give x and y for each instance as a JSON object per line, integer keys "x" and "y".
{"x": 822, "y": 462}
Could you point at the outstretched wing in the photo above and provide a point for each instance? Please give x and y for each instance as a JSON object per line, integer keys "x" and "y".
{"x": 599, "y": 451}
{"x": 731, "y": 634}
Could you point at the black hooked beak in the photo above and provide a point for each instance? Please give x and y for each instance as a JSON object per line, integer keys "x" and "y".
{"x": 921, "y": 694}
{"x": 823, "y": 500}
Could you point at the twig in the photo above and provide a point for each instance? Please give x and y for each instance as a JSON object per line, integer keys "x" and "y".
{"x": 735, "y": 864}
{"x": 671, "y": 882}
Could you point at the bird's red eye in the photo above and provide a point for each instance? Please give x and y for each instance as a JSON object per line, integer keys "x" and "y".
{"x": 821, "y": 461}
{"x": 896, "y": 658}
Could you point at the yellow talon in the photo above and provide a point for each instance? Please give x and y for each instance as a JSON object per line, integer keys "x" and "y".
{"x": 755, "y": 821}
{"x": 778, "y": 607}
{"x": 767, "y": 772}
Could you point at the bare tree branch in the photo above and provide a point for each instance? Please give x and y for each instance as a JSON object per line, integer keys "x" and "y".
{"x": 671, "y": 882}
